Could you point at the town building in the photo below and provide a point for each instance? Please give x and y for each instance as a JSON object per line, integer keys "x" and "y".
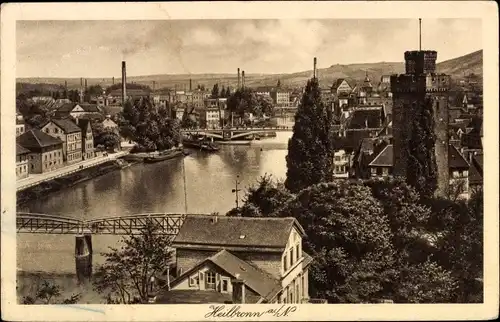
{"x": 264, "y": 90}
{"x": 20, "y": 126}
{"x": 222, "y": 259}
{"x": 70, "y": 134}
{"x": 88, "y": 151}
{"x": 419, "y": 85}
{"x": 78, "y": 110}
{"x": 109, "y": 124}
{"x": 46, "y": 152}
{"x": 382, "y": 165}
{"x": 341, "y": 164}
{"x": 341, "y": 88}
{"x": 22, "y": 165}
{"x": 280, "y": 97}
{"x": 211, "y": 118}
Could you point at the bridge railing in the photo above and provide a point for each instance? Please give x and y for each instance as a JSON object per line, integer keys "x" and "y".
{"x": 120, "y": 225}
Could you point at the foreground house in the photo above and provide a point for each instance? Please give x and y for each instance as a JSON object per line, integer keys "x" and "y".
{"x": 239, "y": 260}
{"x": 87, "y": 139}
{"x": 21, "y": 162}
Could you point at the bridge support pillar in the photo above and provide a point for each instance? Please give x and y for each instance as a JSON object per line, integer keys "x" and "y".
{"x": 83, "y": 257}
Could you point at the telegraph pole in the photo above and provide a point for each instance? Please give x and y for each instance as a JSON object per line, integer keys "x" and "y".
{"x": 236, "y": 190}
{"x": 420, "y": 34}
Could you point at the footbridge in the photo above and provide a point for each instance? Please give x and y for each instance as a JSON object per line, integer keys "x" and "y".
{"x": 235, "y": 132}
{"x": 166, "y": 223}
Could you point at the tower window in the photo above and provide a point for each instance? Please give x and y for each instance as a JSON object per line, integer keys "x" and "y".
{"x": 437, "y": 106}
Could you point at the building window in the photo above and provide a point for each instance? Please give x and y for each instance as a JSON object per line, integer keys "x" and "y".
{"x": 225, "y": 285}
{"x": 285, "y": 263}
{"x": 291, "y": 257}
{"x": 297, "y": 252}
{"x": 193, "y": 280}
{"x": 210, "y": 280}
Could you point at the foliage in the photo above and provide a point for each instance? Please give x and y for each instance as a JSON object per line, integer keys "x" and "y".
{"x": 48, "y": 291}
{"x": 189, "y": 120}
{"x": 379, "y": 239}
{"x": 245, "y": 100}
{"x": 264, "y": 199}
{"x": 215, "y": 91}
{"x": 104, "y": 136}
{"x": 350, "y": 238}
{"x": 310, "y": 154}
{"x": 421, "y": 171}
{"x": 150, "y": 128}
{"x": 127, "y": 272}
{"x": 34, "y": 114}
{"x": 109, "y": 89}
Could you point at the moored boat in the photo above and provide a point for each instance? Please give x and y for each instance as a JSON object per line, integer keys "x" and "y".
{"x": 165, "y": 156}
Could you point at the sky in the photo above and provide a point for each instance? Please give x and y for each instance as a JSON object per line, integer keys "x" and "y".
{"x": 96, "y": 48}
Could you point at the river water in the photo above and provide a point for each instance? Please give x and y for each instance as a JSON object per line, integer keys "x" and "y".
{"x": 144, "y": 188}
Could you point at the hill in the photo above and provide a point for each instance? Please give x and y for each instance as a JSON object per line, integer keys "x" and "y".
{"x": 457, "y": 68}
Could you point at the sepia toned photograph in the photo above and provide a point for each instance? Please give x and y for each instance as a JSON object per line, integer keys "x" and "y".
{"x": 226, "y": 162}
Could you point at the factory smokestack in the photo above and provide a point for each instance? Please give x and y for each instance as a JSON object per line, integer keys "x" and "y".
{"x": 238, "y": 78}
{"x": 314, "y": 73}
{"x": 243, "y": 79}
{"x": 124, "y": 82}
{"x": 65, "y": 89}
{"x": 190, "y": 85}
{"x": 113, "y": 80}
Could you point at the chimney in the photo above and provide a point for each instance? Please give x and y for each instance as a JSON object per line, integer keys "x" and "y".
{"x": 238, "y": 290}
{"x": 124, "y": 82}
{"x": 113, "y": 80}
{"x": 314, "y": 71}
{"x": 243, "y": 79}
{"x": 238, "y": 78}
{"x": 190, "y": 85}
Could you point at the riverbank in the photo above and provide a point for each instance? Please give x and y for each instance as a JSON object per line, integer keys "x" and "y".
{"x": 60, "y": 183}
{"x": 29, "y": 282}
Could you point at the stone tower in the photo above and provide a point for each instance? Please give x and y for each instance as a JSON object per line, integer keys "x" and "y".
{"x": 416, "y": 86}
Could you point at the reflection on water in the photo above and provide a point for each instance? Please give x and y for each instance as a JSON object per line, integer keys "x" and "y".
{"x": 142, "y": 188}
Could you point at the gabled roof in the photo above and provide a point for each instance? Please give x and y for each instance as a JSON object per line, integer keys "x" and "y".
{"x": 455, "y": 159}
{"x": 338, "y": 82}
{"x": 475, "y": 175}
{"x": 91, "y": 108}
{"x": 21, "y": 150}
{"x": 384, "y": 158}
{"x": 66, "y": 125}
{"x": 478, "y": 160}
{"x": 210, "y": 232}
{"x": 66, "y": 107}
{"x": 37, "y": 139}
{"x": 259, "y": 281}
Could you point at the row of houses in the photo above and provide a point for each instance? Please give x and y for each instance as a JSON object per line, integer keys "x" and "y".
{"x": 67, "y": 138}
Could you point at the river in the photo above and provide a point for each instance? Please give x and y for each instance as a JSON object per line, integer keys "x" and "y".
{"x": 144, "y": 188}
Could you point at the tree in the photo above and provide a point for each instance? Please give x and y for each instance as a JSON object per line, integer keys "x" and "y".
{"x": 278, "y": 84}
{"x": 245, "y": 100}
{"x": 215, "y": 91}
{"x": 310, "y": 153}
{"x": 48, "y": 291}
{"x": 421, "y": 171}
{"x": 350, "y": 239}
{"x": 127, "y": 272}
{"x": 263, "y": 199}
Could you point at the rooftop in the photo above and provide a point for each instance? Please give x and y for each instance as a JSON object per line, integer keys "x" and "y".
{"x": 455, "y": 159}
{"x": 384, "y": 158}
{"x": 215, "y": 231}
{"x": 35, "y": 138}
{"x": 21, "y": 150}
{"x": 66, "y": 125}
{"x": 366, "y": 117}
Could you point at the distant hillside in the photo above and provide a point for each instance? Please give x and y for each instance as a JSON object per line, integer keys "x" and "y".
{"x": 457, "y": 67}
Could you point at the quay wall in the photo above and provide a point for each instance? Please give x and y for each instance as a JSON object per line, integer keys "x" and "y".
{"x": 44, "y": 188}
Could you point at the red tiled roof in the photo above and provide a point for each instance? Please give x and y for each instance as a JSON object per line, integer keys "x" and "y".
{"x": 384, "y": 158}
{"x": 37, "y": 139}
{"x": 216, "y": 231}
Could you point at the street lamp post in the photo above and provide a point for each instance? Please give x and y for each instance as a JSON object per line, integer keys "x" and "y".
{"x": 236, "y": 190}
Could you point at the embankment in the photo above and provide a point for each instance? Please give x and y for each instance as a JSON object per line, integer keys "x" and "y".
{"x": 57, "y": 184}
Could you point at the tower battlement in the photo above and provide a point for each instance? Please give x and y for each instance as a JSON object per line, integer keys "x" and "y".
{"x": 420, "y": 61}
{"x": 410, "y": 83}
